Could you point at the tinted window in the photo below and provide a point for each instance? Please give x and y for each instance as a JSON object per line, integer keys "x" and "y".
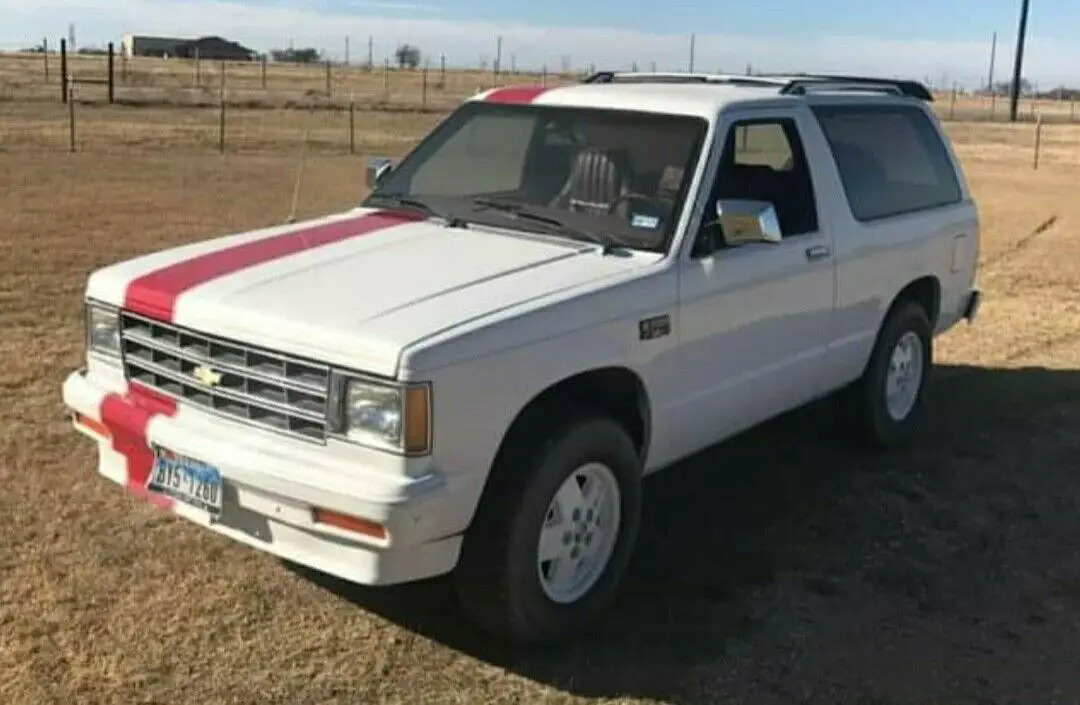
{"x": 620, "y": 171}
{"x": 762, "y": 144}
{"x": 764, "y": 160}
{"x": 494, "y": 148}
{"x": 891, "y": 159}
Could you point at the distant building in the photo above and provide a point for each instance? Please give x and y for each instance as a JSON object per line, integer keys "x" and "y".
{"x": 215, "y": 49}
{"x": 134, "y": 45}
{"x": 209, "y": 48}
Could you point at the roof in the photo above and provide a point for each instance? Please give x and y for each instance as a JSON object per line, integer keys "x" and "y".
{"x": 701, "y": 95}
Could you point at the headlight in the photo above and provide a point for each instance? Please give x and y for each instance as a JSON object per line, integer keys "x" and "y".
{"x": 387, "y": 416}
{"x": 102, "y": 330}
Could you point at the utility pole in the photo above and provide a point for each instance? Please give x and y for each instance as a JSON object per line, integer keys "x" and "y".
{"x": 993, "y": 57}
{"x": 346, "y": 50}
{"x": 693, "y": 41}
{"x": 1018, "y": 63}
{"x": 370, "y": 53}
{"x": 498, "y": 55}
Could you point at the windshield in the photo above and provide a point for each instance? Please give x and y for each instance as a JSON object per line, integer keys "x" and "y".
{"x": 602, "y": 174}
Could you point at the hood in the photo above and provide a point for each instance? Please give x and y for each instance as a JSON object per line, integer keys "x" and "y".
{"x": 353, "y": 289}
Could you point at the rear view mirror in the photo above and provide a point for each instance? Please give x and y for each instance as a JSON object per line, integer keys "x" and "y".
{"x": 377, "y": 168}
{"x": 744, "y": 222}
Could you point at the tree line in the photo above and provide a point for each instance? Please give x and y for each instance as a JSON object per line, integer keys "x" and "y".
{"x": 406, "y": 56}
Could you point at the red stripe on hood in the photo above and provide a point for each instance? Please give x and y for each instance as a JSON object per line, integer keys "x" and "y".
{"x": 155, "y": 294}
{"x": 516, "y": 94}
{"x": 128, "y": 415}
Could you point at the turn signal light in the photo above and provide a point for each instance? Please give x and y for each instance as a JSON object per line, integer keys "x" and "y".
{"x": 350, "y": 523}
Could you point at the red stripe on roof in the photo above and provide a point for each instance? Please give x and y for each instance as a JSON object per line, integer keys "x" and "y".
{"x": 516, "y": 94}
{"x": 155, "y": 294}
{"x": 127, "y": 416}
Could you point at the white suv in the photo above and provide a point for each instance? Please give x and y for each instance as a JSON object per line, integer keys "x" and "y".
{"x": 556, "y": 293}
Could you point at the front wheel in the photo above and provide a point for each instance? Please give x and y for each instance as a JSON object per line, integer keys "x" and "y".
{"x": 553, "y": 535}
{"x": 884, "y": 406}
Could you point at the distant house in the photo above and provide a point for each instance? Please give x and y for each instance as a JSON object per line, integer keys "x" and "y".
{"x": 215, "y": 49}
{"x": 209, "y": 48}
{"x": 133, "y": 45}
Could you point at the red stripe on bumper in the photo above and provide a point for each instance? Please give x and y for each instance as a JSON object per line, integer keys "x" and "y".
{"x": 127, "y": 416}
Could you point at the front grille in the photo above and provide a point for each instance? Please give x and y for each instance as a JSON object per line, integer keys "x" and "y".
{"x": 261, "y": 387}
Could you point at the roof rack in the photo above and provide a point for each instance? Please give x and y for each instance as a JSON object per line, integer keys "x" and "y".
{"x": 801, "y": 83}
{"x": 660, "y": 77}
{"x": 787, "y": 84}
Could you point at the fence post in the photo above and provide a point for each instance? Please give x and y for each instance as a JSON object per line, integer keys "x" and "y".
{"x": 264, "y": 72}
{"x": 386, "y": 81}
{"x": 352, "y": 125}
{"x": 423, "y": 90}
{"x": 123, "y": 66}
{"x": 543, "y": 77}
{"x": 45, "y": 53}
{"x": 1072, "y": 108}
{"x": 70, "y": 89}
{"x": 112, "y": 73}
{"x": 329, "y": 88}
{"x": 221, "y": 126}
{"x": 1038, "y": 140}
{"x": 63, "y": 71}
{"x": 442, "y": 72}
{"x": 198, "y": 69}
{"x": 952, "y": 104}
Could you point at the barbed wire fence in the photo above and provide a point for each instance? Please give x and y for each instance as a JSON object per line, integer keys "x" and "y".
{"x": 261, "y": 105}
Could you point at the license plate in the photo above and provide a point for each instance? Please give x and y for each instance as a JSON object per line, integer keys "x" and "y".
{"x": 186, "y": 480}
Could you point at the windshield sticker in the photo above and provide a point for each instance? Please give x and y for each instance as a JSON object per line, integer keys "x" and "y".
{"x": 638, "y": 220}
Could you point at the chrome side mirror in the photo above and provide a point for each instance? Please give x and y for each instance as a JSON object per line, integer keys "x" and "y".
{"x": 377, "y": 168}
{"x": 745, "y": 222}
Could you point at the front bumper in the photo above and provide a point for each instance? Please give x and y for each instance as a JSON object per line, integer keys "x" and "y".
{"x": 272, "y": 487}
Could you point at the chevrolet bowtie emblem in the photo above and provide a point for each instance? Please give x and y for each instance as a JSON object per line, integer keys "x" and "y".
{"x": 206, "y": 375}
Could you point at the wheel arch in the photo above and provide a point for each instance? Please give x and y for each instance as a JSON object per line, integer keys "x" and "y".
{"x": 616, "y": 390}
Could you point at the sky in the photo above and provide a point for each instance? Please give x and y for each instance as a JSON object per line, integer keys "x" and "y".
{"x": 943, "y": 41}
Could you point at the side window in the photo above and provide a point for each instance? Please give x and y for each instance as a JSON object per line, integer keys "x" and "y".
{"x": 891, "y": 159}
{"x": 492, "y": 148}
{"x": 764, "y": 160}
{"x": 762, "y": 144}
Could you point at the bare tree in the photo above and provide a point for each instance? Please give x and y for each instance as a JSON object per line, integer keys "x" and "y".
{"x": 407, "y": 56}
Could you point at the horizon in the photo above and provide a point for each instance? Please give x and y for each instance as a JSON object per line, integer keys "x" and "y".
{"x": 862, "y": 39}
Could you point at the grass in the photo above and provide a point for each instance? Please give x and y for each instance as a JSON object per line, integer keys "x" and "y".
{"x": 780, "y": 567}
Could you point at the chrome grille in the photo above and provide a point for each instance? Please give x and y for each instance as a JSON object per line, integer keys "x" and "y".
{"x": 265, "y": 388}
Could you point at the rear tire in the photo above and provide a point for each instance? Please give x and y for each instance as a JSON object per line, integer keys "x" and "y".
{"x": 574, "y": 495}
{"x": 884, "y": 407}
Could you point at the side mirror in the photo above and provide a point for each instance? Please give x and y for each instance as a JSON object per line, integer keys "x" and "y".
{"x": 377, "y": 168}
{"x": 745, "y": 222}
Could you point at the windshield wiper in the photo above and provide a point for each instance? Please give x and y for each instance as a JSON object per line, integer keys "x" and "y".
{"x": 606, "y": 241}
{"x": 420, "y": 205}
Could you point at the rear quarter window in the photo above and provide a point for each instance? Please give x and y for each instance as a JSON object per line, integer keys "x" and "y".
{"x": 891, "y": 159}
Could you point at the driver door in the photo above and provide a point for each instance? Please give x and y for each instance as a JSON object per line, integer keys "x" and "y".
{"x": 754, "y": 319}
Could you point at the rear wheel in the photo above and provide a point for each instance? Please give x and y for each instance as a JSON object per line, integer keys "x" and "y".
{"x": 554, "y": 534}
{"x": 884, "y": 407}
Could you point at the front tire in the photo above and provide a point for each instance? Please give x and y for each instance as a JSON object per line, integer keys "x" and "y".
{"x": 884, "y": 407}
{"x": 553, "y": 535}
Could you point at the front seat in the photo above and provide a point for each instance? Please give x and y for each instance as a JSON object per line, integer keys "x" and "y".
{"x": 598, "y": 178}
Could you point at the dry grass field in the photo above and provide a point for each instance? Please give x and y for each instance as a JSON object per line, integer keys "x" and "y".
{"x": 777, "y": 568}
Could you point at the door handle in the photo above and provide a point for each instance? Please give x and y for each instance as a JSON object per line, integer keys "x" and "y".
{"x": 817, "y": 252}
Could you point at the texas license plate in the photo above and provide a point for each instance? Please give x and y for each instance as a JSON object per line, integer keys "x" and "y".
{"x": 186, "y": 480}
